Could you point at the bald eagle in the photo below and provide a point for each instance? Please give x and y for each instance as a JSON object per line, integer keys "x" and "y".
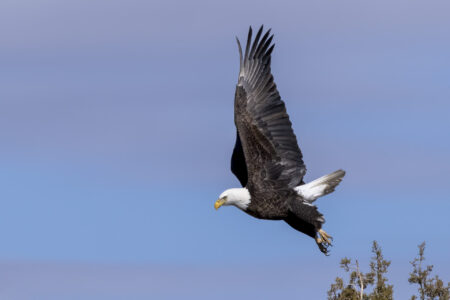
{"x": 266, "y": 158}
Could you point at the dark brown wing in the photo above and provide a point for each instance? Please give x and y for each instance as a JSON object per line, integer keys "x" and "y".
{"x": 270, "y": 147}
{"x": 238, "y": 165}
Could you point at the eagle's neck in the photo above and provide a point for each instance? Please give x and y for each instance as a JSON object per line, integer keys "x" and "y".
{"x": 239, "y": 197}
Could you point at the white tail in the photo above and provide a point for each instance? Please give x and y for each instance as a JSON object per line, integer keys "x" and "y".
{"x": 320, "y": 187}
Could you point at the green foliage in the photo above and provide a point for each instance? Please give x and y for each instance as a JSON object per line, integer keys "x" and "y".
{"x": 359, "y": 282}
{"x": 378, "y": 268}
{"x": 351, "y": 290}
{"x": 357, "y": 287}
{"x": 428, "y": 288}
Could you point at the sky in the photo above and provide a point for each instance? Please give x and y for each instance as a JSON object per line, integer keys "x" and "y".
{"x": 116, "y": 131}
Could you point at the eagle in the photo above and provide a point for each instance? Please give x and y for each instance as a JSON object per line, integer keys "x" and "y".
{"x": 266, "y": 158}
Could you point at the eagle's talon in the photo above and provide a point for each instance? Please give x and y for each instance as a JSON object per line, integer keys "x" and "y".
{"x": 323, "y": 248}
{"x": 323, "y": 240}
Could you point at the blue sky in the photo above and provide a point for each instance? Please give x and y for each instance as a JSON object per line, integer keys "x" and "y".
{"x": 116, "y": 130}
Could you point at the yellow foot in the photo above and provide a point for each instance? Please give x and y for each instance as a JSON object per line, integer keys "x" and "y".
{"x": 323, "y": 240}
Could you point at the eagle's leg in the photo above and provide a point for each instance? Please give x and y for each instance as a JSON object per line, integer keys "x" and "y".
{"x": 323, "y": 240}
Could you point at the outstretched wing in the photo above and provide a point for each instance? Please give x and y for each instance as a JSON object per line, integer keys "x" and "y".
{"x": 269, "y": 145}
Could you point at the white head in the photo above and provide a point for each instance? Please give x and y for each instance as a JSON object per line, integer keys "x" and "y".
{"x": 239, "y": 197}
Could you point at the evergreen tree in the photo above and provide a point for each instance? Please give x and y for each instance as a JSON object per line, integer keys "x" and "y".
{"x": 378, "y": 267}
{"x": 373, "y": 285}
{"x": 356, "y": 288}
{"x": 428, "y": 288}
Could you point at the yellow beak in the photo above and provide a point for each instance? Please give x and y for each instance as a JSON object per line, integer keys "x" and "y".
{"x": 219, "y": 203}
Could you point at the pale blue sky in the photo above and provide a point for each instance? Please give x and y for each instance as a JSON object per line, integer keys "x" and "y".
{"x": 116, "y": 130}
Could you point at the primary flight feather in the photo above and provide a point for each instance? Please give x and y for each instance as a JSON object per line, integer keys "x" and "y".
{"x": 266, "y": 157}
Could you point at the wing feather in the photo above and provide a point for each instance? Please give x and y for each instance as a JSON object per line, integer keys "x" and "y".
{"x": 265, "y": 133}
